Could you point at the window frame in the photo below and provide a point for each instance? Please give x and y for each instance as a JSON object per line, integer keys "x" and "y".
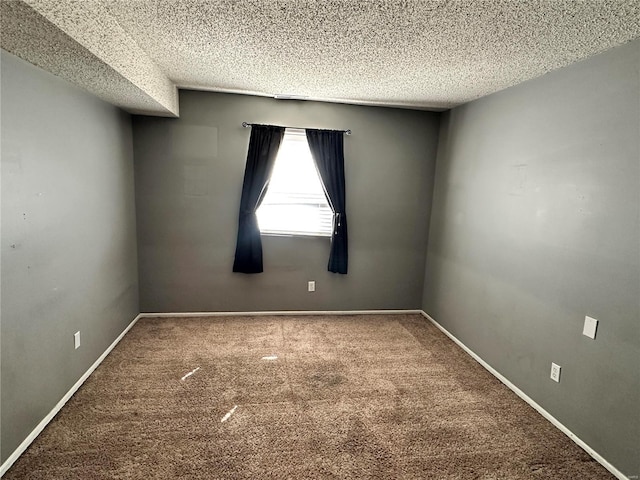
{"x": 299, "y": 134}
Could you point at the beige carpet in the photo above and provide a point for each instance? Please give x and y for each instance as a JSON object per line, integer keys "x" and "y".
{"x": 354, "y": 397}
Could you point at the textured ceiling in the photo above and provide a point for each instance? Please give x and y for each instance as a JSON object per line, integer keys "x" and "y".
{"x": 431, "y": 54}
{"x": 82, "y": 46}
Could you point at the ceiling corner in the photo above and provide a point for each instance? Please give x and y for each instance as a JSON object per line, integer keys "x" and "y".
{"x": 82, "y": 43}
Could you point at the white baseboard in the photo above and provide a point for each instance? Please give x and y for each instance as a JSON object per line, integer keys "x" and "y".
{"x": 596, "y": 456}
{"x": 45, "y": 421}
{"x": 280, "y": 313}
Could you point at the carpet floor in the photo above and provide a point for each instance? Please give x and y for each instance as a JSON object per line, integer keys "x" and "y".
{"x": 346, "y": 397}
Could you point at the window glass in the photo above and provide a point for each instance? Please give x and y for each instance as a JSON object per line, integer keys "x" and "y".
{"x": 295, "y": 203}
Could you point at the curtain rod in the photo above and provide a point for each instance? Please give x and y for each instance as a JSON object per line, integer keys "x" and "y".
{"x": 247, "y": 125}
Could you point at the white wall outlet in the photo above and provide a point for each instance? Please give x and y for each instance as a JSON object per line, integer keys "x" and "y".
{"x": 76, "y": 339}
{"x": 555, "y": 372}
{"x": 590, "y": 326}
{"x": 311, "y": 286}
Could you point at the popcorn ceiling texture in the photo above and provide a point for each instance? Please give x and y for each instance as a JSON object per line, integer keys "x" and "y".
{"x": 30, "y": 36}
{"x": 89, "y": 23}
{"x": 421, "y": 53}
{"x": 430, "y": 54}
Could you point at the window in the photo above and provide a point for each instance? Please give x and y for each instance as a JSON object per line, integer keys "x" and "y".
{"x": 295, "y": 203}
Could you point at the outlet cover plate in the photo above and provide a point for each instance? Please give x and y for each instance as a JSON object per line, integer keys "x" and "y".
{"x": 76, "y": 340}
{"x": 312, "y": 286}
{"x": 555, "y": 372}
{"x": 590, "y": 327}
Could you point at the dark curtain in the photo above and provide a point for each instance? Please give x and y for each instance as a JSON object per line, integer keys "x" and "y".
{"x": 263, "y": 148}
{"x": 327, "y": 150}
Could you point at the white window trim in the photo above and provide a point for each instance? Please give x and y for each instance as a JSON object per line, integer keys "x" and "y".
{"x": 322, "y": 212}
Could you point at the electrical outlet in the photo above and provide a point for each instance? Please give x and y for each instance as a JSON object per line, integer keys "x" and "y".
{"x": 76, "y": 340}
{"x": 555, "y": 372}
{"x": 590, "y": 327}
{"x": 311, "y": 286}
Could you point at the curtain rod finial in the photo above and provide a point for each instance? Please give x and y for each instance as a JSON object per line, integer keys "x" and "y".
{"x": 245, "y": 124}
{"x": 348, "y": 132}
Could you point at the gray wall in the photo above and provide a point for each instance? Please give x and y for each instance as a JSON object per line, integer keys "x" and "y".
{"x": 188, "y": 182}
{"x": 68, "y": 239}
{"x": 535, "y": 224}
